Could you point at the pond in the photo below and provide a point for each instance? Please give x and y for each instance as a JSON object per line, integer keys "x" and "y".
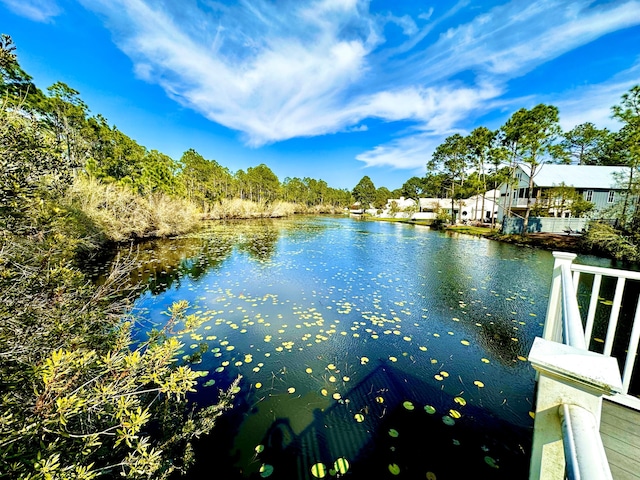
{"x": 369, "y": 349}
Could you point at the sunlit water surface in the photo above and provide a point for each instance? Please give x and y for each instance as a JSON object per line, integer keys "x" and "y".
{"x": 399, "y": 350}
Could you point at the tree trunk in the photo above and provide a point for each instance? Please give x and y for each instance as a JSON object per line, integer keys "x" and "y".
{"x": 527, "y": 212}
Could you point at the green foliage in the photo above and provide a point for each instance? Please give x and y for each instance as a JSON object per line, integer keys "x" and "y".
{"x": 583, "y": 144}
{"x": 364, "y": 192}
{"x": 79, "y": 399}
{"x": 560, "y": 200}
{"x": 602, "y": 239}
{"x": 29, "y": 166}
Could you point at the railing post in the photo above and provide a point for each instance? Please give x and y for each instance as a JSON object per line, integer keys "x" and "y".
{"x": 553, "y": 322}
{"x": 571, "y": 376}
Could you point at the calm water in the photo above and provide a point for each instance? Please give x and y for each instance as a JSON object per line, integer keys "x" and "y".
{"x": 390, "y": 346}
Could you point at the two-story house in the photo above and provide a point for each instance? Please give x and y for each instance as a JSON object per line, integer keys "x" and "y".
{"x": 601, "y": 185}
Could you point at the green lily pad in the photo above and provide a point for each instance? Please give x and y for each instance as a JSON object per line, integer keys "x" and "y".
{"x": 319, "y": 470}
{"x": 408, "y": 405}
{"x": 341, "y": 465}
{"x": 266, "y": 470}
{"x": 394, "y": 468}
{"x": 491, "y": 462}
{"x": 447, "y": 420}
{"x": 429, "y": 409}
{"x": 393, "y": 433}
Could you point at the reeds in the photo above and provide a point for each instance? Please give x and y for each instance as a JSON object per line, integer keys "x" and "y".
{"x": 125, "y": 215}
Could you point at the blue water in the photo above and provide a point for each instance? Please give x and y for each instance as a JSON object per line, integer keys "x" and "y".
{"x": 343, "y": 332}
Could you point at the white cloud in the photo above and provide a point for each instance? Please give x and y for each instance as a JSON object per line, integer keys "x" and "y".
{"x": 409, "y": 152}
{"x": 514, "y": 38}
{"x": 279, "y": 70}
{"x": 37, "y": 10}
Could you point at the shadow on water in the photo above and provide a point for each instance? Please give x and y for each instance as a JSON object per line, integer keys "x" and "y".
{"x": 397, "y": 427}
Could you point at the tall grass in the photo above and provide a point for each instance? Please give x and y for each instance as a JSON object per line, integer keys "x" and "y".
{"x": 125, "y": 215}
{"x": 241, "y": 209}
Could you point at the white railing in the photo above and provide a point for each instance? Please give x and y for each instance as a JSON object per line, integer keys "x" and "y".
{"x": 629, "y": 360}
{"x": 571, "y": 381}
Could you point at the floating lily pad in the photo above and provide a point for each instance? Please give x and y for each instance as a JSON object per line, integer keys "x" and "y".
{"x": 460, "y": 401}
{"x": 258, "y": 385}
{"x": 259, "y": 448}
{"x": 341, "y": 465}
{"x": 209, "y": 383}
{"x": 291, "y": 390}
{"x": 319, "y": 470}
{"x": 429, "y": 409}
{"x": 394, "y": 468}
{"x": 491, "y": 462}
{"x": 447, "y": 420}
{"x": 478, "y": 384}
{"x": 393, "y": 433}
{"x": 359, "y": 417}
{"x": 454, "y": 413}
{"x": 408, "y": 405}
{"x": 266, "y": 470}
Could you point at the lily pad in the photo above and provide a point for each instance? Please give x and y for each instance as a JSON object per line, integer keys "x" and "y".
{"x": 319, "y": 470}
{"x": 341, "y": 465}
{"x": 429, "y": 409}
{"x": 394, "y": 468}
{"x": 266, "y": 470}
{"x": 408, "y": 405}
{"x": 393, "y": 433}
{"x": 447, "y": 420}
{"x": 491, "y": 462}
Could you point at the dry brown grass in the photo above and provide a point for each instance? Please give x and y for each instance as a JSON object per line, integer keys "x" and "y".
{"x": 242, "y": 209}
{"x": 124, "y": 215}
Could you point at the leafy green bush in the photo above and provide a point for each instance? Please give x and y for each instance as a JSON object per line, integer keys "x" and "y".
{"x": 79, "y": 399}
{"x": 603, "y": 239}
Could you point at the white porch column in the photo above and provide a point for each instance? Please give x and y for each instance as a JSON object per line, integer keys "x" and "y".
{"x": 567, "y": 375}
{"x": 553, "y": 321}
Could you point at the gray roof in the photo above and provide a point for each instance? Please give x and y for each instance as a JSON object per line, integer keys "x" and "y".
{"x": 577, "y": 176}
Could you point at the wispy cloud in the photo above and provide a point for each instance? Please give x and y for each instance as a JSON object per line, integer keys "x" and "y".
{"x": 279, "y": 70}
{"x": 37, "y": 10}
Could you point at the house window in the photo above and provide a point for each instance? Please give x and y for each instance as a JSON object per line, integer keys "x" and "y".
{"x": 611, "y": 197}
{"x": 588, "y": 195}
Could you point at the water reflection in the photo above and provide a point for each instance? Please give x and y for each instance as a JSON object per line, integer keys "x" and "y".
{"x": 319, "y": 314}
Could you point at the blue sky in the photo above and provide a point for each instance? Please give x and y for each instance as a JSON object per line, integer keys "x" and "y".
{"x": 328, "y": 89}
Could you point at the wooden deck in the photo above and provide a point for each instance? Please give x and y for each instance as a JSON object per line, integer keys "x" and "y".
{"x": 620, "y": 431}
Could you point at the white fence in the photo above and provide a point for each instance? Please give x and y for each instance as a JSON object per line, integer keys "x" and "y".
{"x": 573, "y": 380}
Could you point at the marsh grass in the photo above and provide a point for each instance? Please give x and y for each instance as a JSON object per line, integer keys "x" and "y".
{"x": 125, "y": 215}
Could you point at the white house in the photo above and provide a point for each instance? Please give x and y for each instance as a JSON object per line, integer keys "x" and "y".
{"x": 477, "y": 208}
{"x": 598, "y": 184}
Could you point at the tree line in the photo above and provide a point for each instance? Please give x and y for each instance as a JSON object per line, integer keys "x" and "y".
{"x": 79, "y": 397}
{"x": 466, "y": 165}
